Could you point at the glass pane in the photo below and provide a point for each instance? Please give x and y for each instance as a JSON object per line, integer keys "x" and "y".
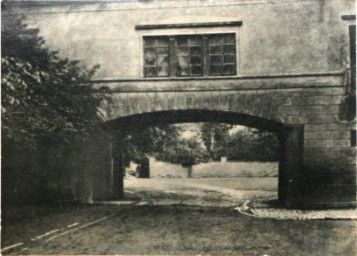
{"x": 215, "y": 50}
{"x": 150, "y": 52}
{"x": 163, "y": 42}
{"x": 181, "y": 41}
{"x": 216, "y": 39}
{"x": 149, "y": 42}
{"x": 195, "y": 41}
{"x": 216, "y": 59}
{"x": 228, "y": 39}
{"x": 163, "y": 50}
{"x": 215, "y": 70}
{"x": 229, "y": 69}
{"x": 162, "y": 60}
{"x": 229, "y": 59}
{"x": 196, "y": 50}
{"x": 229, "y": 49}
{"x": 150, "y": 56}
{"x": 196, "y": 60}
{"x": 182, "y": 50}
{"x": 163, "y": 71}
{"x": 182, "y": 71}
{"x": 150, "y": 71}
{"x": 197, "y": 70}
{"x": 183, "y": 61}
{"x": 150, "y": 61}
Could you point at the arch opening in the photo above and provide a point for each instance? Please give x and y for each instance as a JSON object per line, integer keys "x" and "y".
{"x": 242, "y": 160}
{"x": 289, "y": 166}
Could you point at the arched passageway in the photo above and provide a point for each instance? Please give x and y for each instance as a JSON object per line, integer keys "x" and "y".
{"x": 290, "y": 137}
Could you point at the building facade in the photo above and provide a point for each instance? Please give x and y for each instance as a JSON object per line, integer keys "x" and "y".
{"x": 287, "y": 66}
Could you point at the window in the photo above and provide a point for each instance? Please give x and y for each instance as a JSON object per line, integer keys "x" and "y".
{"x": 190, "y": 55}
{"x": 222, "y": 56}
{"x": 156, "y": 51}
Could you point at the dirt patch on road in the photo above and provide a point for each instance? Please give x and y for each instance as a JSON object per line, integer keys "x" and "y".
{"x": 203, "y": 198}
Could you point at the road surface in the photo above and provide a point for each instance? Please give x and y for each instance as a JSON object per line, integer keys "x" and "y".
{"x": 177, "y": 216}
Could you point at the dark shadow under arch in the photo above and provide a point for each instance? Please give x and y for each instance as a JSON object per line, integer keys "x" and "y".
{"x": 137, "y": 121}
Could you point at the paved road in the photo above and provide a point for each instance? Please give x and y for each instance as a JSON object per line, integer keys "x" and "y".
{"x": 177, "y": 217}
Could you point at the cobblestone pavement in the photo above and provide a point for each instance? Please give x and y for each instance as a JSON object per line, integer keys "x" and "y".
{"x": 256, "y": 203}
{"x": 175, "y": 217}
{"x": 265, "y": 209}
{"x": 261, "y": 204}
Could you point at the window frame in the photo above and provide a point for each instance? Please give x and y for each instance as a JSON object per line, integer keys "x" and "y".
{"x": 222, "y": 46}
{"x": 205, "y": 54}
{"x": 155, "y": 47}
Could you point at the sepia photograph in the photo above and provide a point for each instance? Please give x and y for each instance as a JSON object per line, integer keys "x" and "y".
{"x": 178, "y": 127}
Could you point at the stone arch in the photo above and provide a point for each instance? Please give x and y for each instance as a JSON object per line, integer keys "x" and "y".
{"x": 257, "y": 103}
{"x": 318, "y": 147}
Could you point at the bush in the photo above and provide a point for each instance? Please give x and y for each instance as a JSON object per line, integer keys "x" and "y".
{"x": 48, "y": 108}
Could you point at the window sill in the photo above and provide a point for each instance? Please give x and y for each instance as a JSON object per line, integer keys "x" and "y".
{"x": 212, "y": 78}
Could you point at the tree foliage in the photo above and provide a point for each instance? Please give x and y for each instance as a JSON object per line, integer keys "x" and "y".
{"x": 253, "y": 145}
{"x": 151, "y": 140}
{"x": 47, "y": 105}
{"x": 43, "y": 95}
{"x": 186, "y": 152}
{"x": 215, "y": 137}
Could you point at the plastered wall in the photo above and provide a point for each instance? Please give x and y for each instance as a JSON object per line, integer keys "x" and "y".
{"x": 277, "y": 37}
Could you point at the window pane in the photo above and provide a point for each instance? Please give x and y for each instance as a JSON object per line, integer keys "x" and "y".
{"x": 163, "y": 50}
{"x": 228, "y": 39}
{"x": 195, "y": 41}
{"x": 215, "y": 50}
{"x": 182, "y": 71}
{"x": 150, "y": 52}
{"x": 197, "y": 70}
{"x": 150, "y": 62}
{"x": 162, "y": 60}
{"x": 216, "y": 59}
{"x": 150, "y": 56}
{"x": 229, "y": 69}
{"x": 149, "y": 42}
{"x": 163, "y": 71}
{"x": 149, "y": 71}
{"x": 215, "y": 70}
{"x": 196, "y": 50}
{"x": 229, "y": 49}
{"x": 182, "y": 50}
{"x": 163, "y": 42}
{"x": 181, "y": 41}
{"x": 196, "y": 60}
{"x": 229, "y": 59}
{"x": 215, "y": 40}
{"x": 183, "y": 61}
